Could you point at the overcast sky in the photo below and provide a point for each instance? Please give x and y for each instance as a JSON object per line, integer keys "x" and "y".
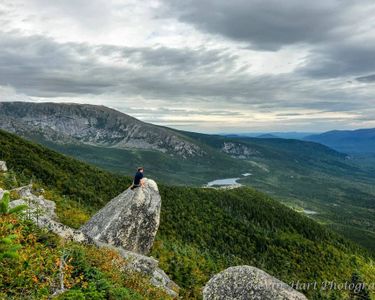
{"x": 202, "y": 65}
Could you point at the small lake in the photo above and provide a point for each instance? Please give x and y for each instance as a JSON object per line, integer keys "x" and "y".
{"x": 224, "y": 182}
{"x": 227, "y": 182}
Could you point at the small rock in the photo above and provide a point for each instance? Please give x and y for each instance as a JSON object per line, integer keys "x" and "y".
{"x": 3, "y": 166}
{"x": 160, "y": 279}
{"x": 37, "y": 205}
{"x": 145, "y": 265}
{"x": 248, "y": 283}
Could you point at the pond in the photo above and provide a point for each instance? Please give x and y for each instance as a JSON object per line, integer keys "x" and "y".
{"x": 224, "y": 182}
{"x": 228, "y": 182}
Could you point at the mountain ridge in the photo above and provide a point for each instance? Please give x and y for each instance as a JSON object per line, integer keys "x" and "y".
{"x": 92, "y": 125}
{"x": 358, "y": 141}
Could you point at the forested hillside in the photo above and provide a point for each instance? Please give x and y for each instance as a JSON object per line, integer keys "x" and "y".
{"x": 202, "y": 231}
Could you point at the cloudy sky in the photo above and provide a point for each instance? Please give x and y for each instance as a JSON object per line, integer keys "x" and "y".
{"x": 203, "y": 65}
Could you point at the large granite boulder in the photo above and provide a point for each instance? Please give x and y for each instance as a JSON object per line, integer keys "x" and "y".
{"x": 248, "y": 283}
{"x": 3, "y": 166}
{"x": 130, "y": 220}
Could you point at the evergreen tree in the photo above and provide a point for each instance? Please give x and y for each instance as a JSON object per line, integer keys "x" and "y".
{"x": 5, "y": 208}
{"x": 359, "y": 290}
{"x": 9, "y": 247}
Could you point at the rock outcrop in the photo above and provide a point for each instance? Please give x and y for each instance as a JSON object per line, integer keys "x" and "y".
{"x": 130, "y": 220}
{"x": 42, "y": 212}
{"x": 239, "y": 150}
{"x": 3, "y": 166}
{"x": 133, "y": 206}
{"x": 248, "y": 283}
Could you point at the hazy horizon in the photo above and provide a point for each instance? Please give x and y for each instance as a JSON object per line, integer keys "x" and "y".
{"x": 205, "y": 66}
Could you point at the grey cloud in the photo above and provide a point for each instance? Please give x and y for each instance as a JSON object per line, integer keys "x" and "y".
{"x": 181, "y": 59}
{"x": 266, "y": 25}
{"x": 185, "y": 112}
{"x": 289, "y": 114}
{"x": 367, "y": 79}
{"x": 41, "y": 67}
{"x": 334, "y": 106}
{"x": 331, "y": 30}
{"x": 340, "y": 60}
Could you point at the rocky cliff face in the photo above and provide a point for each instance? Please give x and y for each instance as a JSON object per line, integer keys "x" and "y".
{"x": 248, "y": 283}
{"x": 238, "y": 150}
{"x": 130, "y": 220}
{"x": 93, "y": 125}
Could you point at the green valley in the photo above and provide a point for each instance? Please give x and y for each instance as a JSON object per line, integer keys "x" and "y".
{"x": 302, "y": 175}
{"x": 202, "y": 230}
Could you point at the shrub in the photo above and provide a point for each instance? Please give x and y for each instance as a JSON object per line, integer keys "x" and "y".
{"x": 9, "y": 247}
{"x": 71, "y": 295}
{"x": 34, "y": 272}
{"x": 5, "y": 207}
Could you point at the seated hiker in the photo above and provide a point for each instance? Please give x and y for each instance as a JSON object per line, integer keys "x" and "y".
{"x": 138, "y": 179}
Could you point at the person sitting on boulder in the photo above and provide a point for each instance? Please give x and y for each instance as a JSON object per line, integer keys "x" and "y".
{"x": 138, "y": 179}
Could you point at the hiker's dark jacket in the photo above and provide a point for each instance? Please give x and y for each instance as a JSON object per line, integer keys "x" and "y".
{"x": 137, "y": 178}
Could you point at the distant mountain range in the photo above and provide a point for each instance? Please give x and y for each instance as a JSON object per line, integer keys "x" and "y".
{"x": 347, "y": 141}
{"x": 304, "y": 175}
{"x": 360, "y": 141}
{"x": 267, "y": 136}
{"x": 280, "y": 135}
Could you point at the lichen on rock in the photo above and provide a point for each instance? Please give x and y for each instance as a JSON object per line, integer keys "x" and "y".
{"x": 248, "y": 283}
{"x": 130, "y": 220}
